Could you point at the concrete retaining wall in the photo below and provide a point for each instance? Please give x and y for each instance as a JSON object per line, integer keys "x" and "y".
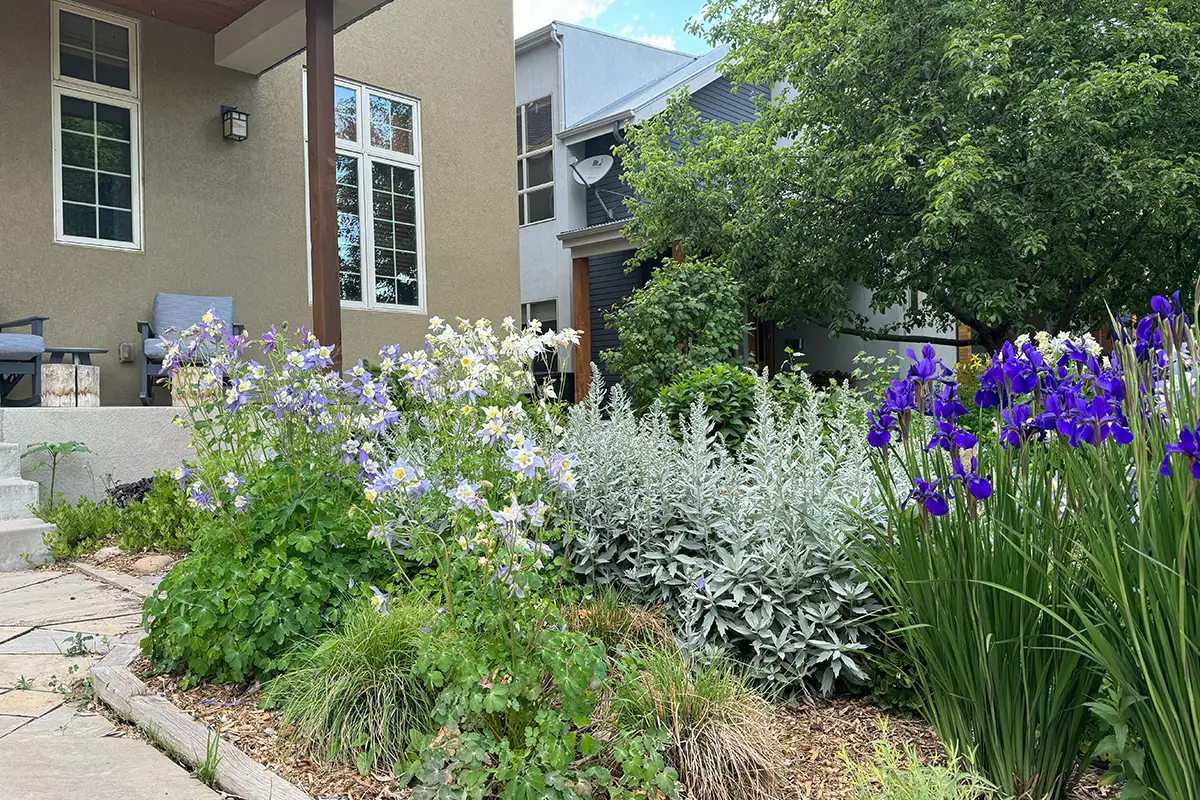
{"x": 127, "y": 443}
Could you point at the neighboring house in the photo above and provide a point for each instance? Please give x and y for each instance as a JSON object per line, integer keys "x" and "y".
{"x": 116, "y": 181}
{"x": 576, "y": 89}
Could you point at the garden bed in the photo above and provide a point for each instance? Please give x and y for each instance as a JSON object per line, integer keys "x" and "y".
{"x": 816, "y": 735}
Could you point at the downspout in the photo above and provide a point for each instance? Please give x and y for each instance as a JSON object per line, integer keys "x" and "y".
{"x": 562, "y": 81}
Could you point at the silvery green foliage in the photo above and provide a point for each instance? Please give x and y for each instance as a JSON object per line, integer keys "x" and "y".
{"x": 765, "y": 529}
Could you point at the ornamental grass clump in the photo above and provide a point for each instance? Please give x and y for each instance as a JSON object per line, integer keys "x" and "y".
{"x": 353, "y": 695}
{"x": 722, "y": 735}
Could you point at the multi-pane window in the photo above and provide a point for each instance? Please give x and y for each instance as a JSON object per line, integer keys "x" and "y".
{"x": 546, "y": 313}
{"x": 97, "y": 192}
{"x": 380, "y": 246}
{"x": 535, "y": 162}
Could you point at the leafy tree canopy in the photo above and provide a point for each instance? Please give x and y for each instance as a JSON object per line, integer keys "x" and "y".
{"x": 1018, "y": 162}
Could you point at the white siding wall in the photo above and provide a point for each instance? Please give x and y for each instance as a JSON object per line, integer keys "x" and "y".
{"x": 821, "y": 352}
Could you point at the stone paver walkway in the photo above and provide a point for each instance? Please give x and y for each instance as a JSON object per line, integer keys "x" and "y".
{"x": 53, "y": 627}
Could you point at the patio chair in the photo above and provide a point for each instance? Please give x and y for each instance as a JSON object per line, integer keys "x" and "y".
{"x": 21, "y": 355}
{"x": 172, "y": 314}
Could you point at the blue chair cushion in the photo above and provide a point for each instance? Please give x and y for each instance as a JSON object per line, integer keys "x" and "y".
{"x": 182, "y": 311}
{"x": 21, "y": 346}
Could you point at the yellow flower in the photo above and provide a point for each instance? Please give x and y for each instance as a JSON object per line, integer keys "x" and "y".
{"x": 370, "y": 494}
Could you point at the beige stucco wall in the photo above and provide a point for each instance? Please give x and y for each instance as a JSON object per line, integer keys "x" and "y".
{"x": 229, "y": 218}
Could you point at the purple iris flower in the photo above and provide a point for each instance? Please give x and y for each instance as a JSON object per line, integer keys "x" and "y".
{"x": 900, "y": 397}
{"x": 949, "y": 436}
{"x": 946, "y": 404}
{"x": 979, "y": 487}
{"x": 927, "y": 494}
{"x": 1189, "y": 446}
{"x": 1016, "y": 429}
{"x": 881, "y": 428}
{"x": 926, "y": 368}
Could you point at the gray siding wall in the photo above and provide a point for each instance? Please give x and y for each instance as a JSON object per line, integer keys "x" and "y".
{"x": 603, "y": 145}
{"x": 718, "y": 101}
{"x": 609, "y": 285}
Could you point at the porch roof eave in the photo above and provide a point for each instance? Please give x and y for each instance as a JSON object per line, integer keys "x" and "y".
{"x": 274, "y": 30}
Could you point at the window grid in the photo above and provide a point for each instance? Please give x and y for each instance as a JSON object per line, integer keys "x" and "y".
{"x": 380, "y": 237}
{"x": 96, "y": 179}
{"x": 535, "y": 160}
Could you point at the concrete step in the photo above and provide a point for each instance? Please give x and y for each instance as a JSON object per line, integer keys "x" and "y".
{"x": 16, "y": 496}
{"x": 10, "y": 460}
{"x": 22, "y": 545}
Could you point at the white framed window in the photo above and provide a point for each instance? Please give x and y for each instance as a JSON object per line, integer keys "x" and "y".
{"x": 546, "y": 313}
{"x": 97, "y": 128}
{"x": 535, "y": 162}
{"x": 381, "y": 239}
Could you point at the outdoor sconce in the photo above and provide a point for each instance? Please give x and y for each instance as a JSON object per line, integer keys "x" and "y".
{"x": 235, "y": 125}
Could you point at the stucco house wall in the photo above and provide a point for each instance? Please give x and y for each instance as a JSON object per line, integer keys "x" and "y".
{"x": 225, "y": 218}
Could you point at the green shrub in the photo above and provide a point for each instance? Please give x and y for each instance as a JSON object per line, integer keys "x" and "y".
{"x": 766, "y": 530}
{"x": 261, "y": 580}
{"x": 688, "y": 316}
{"x": 160, "y": 521}
{"x": 78, "y": 529}
{"x": 352, "y": 695}
{"x": 727, "y": 393}
{"x": 900, "y": 775}
{"x": 722, "y": 736}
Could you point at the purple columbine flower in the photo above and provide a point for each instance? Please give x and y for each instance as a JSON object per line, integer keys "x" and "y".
{"x": 470, "y": 389}
{"x": 524, "y": 460}
{"x": 466, "y": 495}
{"x": 1189, "y": 447}
{"x": 270, "y": 340}
{"x": 182, "y": 474}
{"x": 201, "y": 499}
{"x": 379, "y": 600}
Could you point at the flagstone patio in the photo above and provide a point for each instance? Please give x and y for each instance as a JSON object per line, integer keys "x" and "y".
{"x": 53, "y": 627}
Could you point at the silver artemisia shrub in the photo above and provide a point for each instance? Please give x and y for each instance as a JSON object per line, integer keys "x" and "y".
{"x": 746, "y": 551}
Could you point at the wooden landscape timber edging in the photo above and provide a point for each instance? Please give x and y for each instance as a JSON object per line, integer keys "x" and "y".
{"x": 179, "y": 734}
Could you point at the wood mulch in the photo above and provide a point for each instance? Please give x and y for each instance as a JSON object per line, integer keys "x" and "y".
{"x": 816, "y": 734}
{"x": 819, "y": 731}
{"x": 234, "y": 710}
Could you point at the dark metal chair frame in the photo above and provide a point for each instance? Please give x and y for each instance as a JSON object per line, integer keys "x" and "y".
{"x": 11, "y": 372}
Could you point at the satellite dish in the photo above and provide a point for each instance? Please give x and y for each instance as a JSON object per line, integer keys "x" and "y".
{"x": 591, "y": 170}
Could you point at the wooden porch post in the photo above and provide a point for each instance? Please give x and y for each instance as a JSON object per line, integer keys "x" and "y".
{"x": 581, "y": 320}
{"x": 677, "y": 251}
{"x": 964, "y": 352}
{"x": 322, "y": 177}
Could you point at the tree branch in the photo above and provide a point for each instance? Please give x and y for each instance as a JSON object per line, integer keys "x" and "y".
{"x": 885, "y": 336}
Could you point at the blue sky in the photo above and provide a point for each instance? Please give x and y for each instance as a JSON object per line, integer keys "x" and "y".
{"x": 658, "y": 22}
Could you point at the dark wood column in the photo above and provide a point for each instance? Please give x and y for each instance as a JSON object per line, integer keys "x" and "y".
{"x": 581, "y": 320}
{"x": 322, "y": 177}
{"x": 677, "y": 251}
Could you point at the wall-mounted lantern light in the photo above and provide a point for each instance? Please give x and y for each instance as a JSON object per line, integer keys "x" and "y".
{"x": 235, "y": 125}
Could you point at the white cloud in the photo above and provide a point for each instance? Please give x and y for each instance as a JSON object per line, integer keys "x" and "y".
{"x": 529, "y": 15}
{"x": 656, "y": 39}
